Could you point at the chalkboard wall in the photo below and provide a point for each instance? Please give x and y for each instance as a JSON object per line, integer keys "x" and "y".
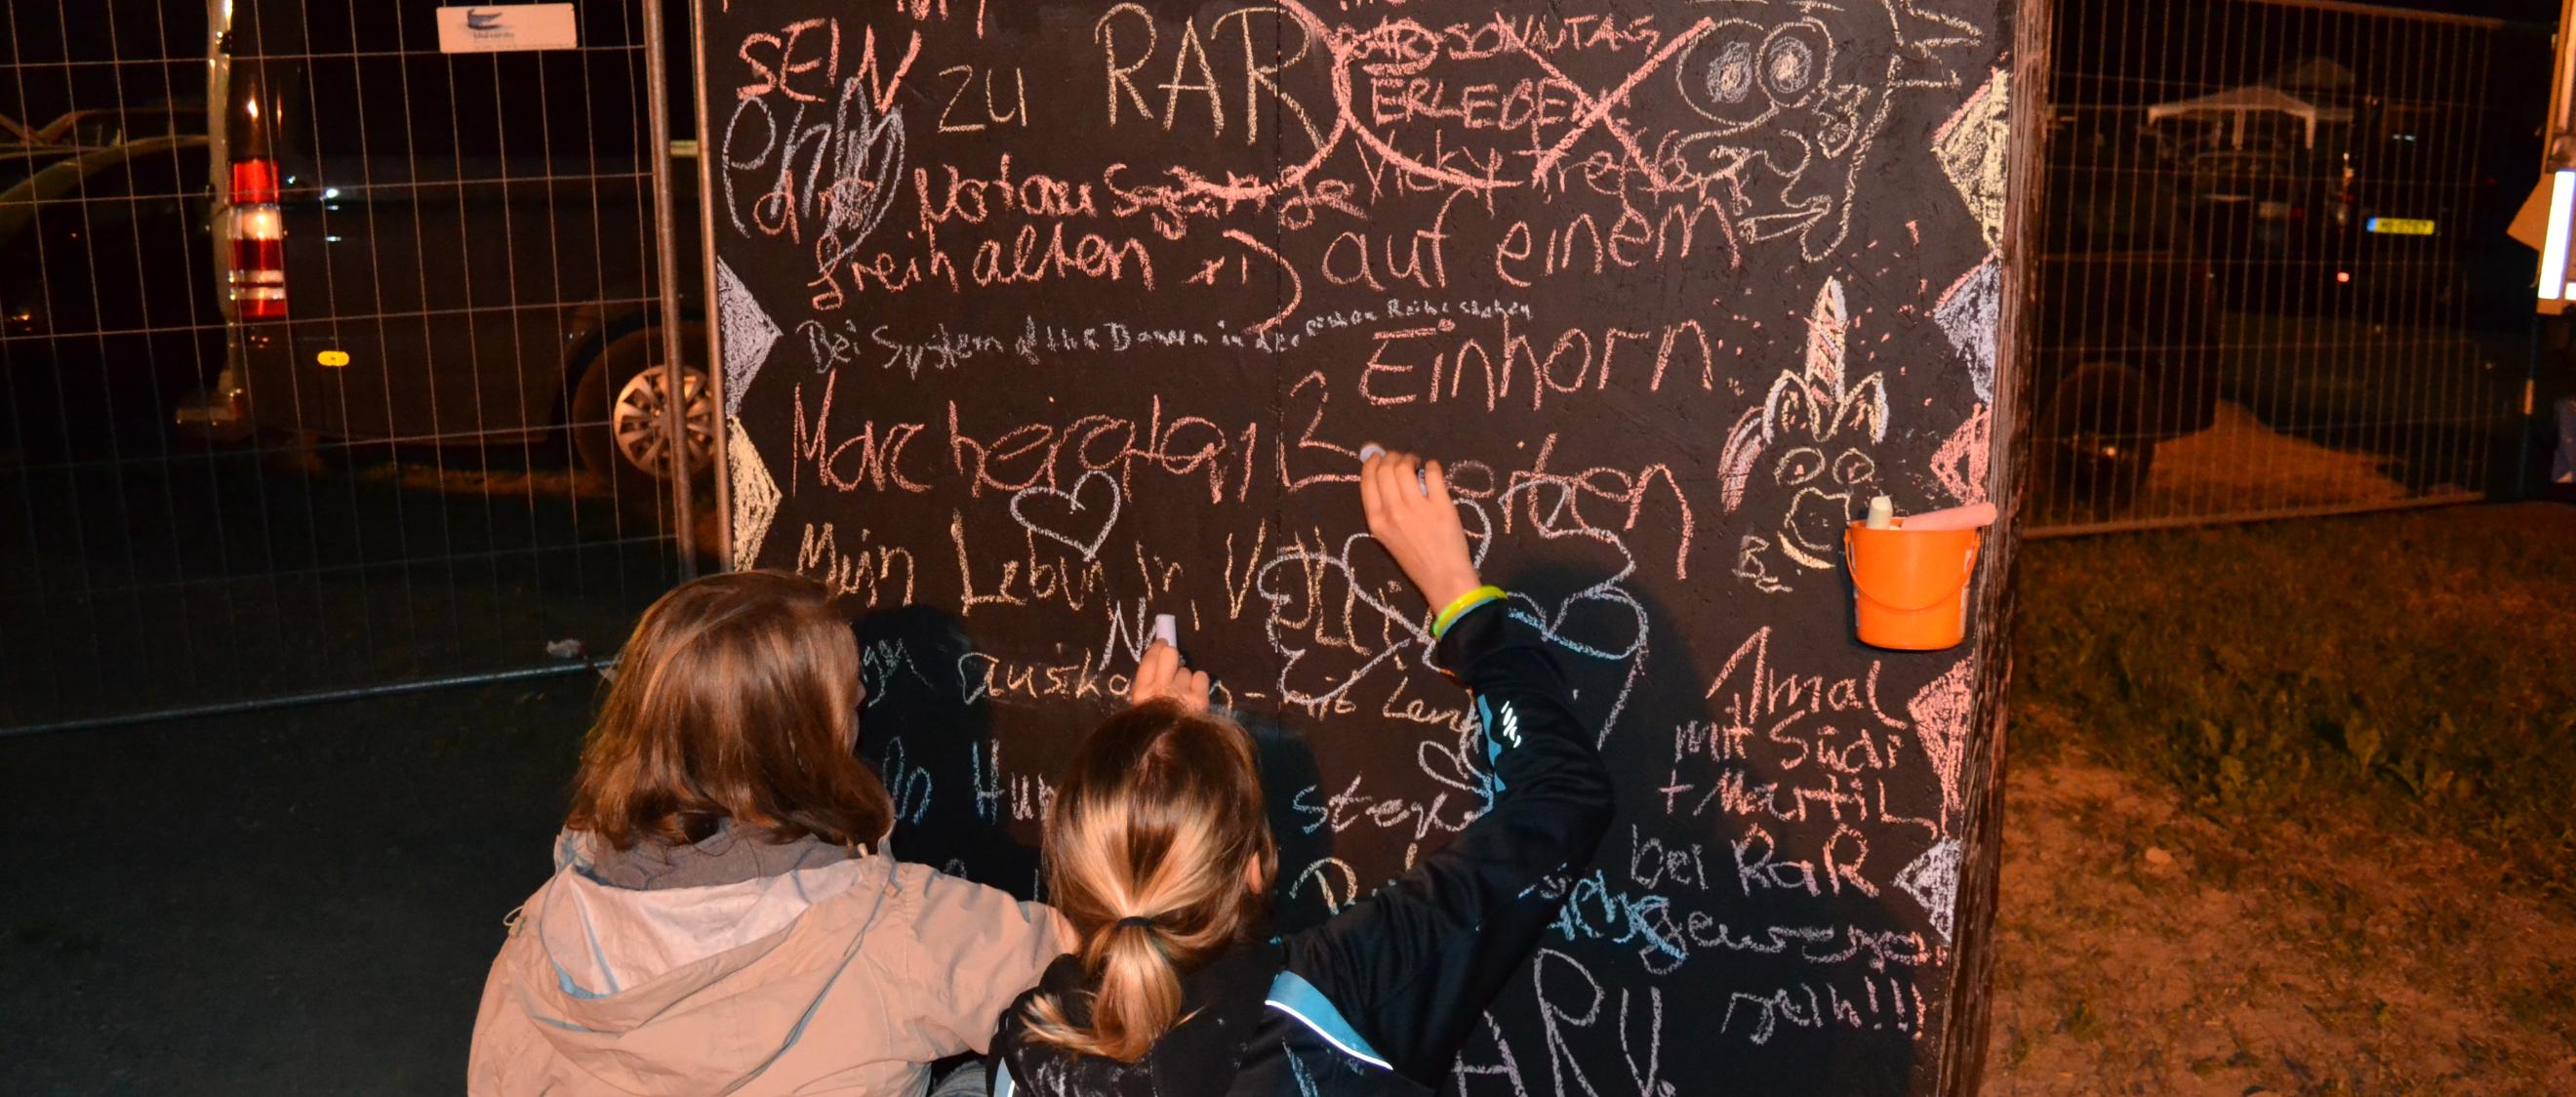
{"x": 1037, "y": 320}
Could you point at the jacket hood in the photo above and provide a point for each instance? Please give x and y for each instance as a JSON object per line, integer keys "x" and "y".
{"x": 623, "y": 978}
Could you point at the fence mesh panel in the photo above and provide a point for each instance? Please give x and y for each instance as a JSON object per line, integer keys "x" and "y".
{"x": 2276, "y": 279}
{"x": 333, "y": 359}
{"x": 2275, "y": 282}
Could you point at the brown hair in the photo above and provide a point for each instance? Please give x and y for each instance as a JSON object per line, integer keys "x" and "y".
{"x": 1145, "y": 847}
{"x": 736, "y": 699}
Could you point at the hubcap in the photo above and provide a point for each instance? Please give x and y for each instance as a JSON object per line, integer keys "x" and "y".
{"x": 637, "y": 420}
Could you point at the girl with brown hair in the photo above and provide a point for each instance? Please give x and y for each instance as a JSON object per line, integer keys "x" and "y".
{"x": 724, "y": 917}
{"x": 1158, "y": 854}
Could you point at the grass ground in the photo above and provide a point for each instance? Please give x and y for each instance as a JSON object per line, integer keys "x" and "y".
{"x": 2286, "y": 810}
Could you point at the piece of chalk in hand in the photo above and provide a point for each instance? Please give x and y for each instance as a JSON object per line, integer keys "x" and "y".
{"x": 1370, "y": 450}
{"x": 1167, "y": 631}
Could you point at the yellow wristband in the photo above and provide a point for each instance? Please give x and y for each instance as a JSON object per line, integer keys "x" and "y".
{"x": 1470, "y": 600}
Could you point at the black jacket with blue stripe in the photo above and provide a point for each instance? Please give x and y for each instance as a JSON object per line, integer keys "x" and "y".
{"x": 1379, "y": 999}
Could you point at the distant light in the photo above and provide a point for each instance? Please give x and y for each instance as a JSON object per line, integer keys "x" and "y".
{"x": 2341, "y": 276}
{"x": 330, "y": 192}
{"x": 2553, "y": 248}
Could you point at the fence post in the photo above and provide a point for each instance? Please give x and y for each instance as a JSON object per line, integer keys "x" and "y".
{"x": 722, "y": 476}
{"x": 675, "y": 405}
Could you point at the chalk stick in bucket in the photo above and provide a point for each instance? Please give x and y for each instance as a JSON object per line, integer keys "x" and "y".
{"x": 1975, "y": 516}
{"x": 1372, "y": 449}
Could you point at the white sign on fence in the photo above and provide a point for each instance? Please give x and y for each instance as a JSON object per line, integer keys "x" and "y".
{"x": 499, "y": 27}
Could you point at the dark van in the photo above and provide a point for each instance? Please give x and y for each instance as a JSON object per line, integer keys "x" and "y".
{"x": 2127, "y": 322}
{"x": 448, "y": 249}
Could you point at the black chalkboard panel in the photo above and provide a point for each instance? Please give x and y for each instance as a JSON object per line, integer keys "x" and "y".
{"x": 1037, "y": 320}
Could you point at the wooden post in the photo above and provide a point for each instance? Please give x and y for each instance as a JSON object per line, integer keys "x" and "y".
{"x": 1963, "y": 1055}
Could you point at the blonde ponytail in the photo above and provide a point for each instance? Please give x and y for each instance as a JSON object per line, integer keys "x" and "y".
{"x": 1146, "y": 846}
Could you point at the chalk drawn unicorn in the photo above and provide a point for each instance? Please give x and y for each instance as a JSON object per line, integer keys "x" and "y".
{"x": 1813, "y": 412}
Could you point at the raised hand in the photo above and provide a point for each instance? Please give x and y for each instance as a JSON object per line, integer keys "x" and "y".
{"x": 1409, "y": 513}
{"x": 1160, "y": 674}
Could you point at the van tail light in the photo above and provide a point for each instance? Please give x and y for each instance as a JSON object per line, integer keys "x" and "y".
{"x": 258, "y": 232}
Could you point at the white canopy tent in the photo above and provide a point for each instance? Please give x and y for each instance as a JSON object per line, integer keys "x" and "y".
{"x": 2236, "y": 104}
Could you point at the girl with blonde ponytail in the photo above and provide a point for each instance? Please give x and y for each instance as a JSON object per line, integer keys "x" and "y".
{"x": 1159, "y": 856}
{"x": 1158, "y": 852}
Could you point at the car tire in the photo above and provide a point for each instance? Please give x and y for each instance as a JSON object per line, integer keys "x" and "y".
{"x": 2095, "y": 448}
{"x": 615, "y": 410}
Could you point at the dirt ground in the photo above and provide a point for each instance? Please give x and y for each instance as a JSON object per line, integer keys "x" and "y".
{"x": 2239, "y": 458}
{"x": 2146, "y": 949}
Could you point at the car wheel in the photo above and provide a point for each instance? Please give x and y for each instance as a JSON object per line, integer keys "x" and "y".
{"x": 620, "y": 416}
{"x": 2094, "y": 447}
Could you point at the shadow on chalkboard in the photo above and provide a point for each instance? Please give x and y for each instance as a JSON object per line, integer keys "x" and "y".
{"x": 935, "y": 751}
{"x": 1774, "y": 980}
{"x": 1288, "y": 767}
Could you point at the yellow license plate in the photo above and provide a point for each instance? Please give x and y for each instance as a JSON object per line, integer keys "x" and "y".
{"x": 2401, "y": 226}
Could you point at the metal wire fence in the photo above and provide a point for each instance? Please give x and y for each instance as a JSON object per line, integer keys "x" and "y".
{"x": 2276, "y": 279}
{"x": 339, "y": 354}
{"x": 337, "y": 361}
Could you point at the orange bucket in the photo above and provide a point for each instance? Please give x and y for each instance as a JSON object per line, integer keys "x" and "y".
{"x": 1910, "y": 587}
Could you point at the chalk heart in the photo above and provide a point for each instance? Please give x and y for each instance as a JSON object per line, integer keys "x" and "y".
{"x": 1051, "y": 513}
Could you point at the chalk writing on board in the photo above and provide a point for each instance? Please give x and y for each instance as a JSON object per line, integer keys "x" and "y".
{"x": 1041, "y": 321}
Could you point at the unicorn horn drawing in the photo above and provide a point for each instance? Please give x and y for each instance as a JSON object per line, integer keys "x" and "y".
{"x": 1809, "y": 432}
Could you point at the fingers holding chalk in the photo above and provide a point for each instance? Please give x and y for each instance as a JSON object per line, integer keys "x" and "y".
{"x": 1162, "y": 675}
{"x": 1370, "y": 451}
